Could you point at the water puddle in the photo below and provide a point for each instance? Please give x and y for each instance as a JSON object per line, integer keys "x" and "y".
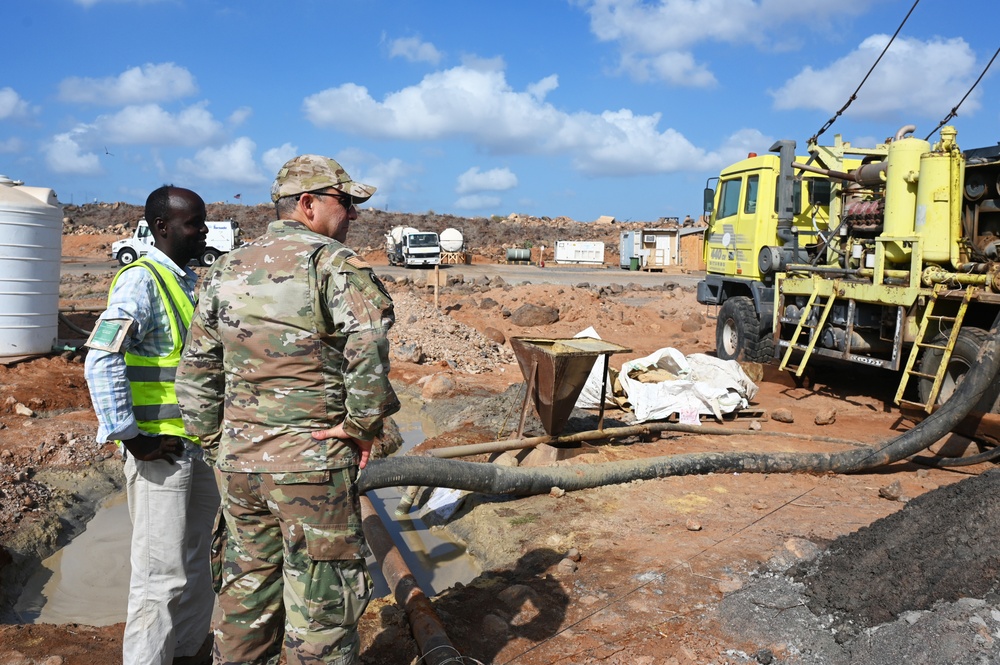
{"x": 87, "y": 581}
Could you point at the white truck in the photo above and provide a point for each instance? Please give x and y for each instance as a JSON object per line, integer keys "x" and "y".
{"x": 406, "y": 246}
{"x": 223, "y": 236}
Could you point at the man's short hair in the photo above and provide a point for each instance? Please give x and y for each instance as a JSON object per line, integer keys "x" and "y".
{"x": 285, "y": 206}
{"x": 158, "y": 203}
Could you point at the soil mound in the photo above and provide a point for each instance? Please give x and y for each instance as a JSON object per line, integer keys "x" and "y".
{"x": 943, "y": 546}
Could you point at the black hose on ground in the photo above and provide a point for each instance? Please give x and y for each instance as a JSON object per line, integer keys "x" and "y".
{"x": 943, "y": 461}
{"x": 72, "y": 326}
{"x": 494, "y": 479}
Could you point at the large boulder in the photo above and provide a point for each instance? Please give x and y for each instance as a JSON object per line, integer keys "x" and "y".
{"x": 529, "y": 314}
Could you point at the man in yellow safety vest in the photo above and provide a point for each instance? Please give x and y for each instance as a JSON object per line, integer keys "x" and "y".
{"x": 132, "y": 359}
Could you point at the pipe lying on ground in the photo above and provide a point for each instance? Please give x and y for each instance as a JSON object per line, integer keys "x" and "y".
{"x": 72, "y": 326}
{"x": 491, "y": 478}
{"x": 615, "y": 433}
{"x": 435, "y": 647}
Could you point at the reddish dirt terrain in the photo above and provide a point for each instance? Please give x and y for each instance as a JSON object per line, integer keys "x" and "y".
{"x": 631, "y": 573}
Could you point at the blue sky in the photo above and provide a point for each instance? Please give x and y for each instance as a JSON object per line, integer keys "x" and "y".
{"x": 579, "y": 108}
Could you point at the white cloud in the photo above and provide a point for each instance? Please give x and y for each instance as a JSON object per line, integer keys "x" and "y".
{"x": 11, "y": 145}
{"x": 391, "y": 176}
{"x": 544, "y": 87}
{"x": 239, "y": 116}
{"x": 475, "y": 180}
{"x": 922, "y": 78}
{"x": 674, "y": 67}
{"x": 232, "y": 163}
{"x": 414, "y": 50}
{"x": 463, "y": 101}
{"x": 12, "y": 106}
{"x": 383, "y": 174}
{"x": 739, "y": 144}
{"x": 64, "y": 154}
{"x": 138, "y": 85}
{"x": 477, "y": 202}
{"x": 477, "y": 104}
{"x": 388, "y": 175}
{"x": 151, "y": 124}
{"x": 656, "y": 38}
{"x": 274, "y": 158}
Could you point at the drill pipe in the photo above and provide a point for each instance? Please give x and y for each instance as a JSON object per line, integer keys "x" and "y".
{"x": 613, "y": 433}
{"x": 435, "y": 647}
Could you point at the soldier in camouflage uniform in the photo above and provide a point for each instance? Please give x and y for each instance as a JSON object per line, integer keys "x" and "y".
{"x": 288, "y": 358}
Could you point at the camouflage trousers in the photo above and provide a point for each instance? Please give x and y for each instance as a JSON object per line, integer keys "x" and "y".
{"x": 289, "y": 568}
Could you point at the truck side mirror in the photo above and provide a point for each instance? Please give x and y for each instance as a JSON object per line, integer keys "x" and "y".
{"x": 709, "y": 204}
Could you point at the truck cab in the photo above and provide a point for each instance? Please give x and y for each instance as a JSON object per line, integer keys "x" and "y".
{"x": 223, "y": 236}
{"x": 406, "y": 246}
{"x": 422, "y": 249}
{"x": 750, "y": 239}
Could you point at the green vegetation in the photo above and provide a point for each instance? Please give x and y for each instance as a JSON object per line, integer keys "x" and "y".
{"x": 524, "y": 519}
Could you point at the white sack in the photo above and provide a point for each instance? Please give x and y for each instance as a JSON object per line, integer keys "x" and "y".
{"x": 590, "y": 395}
{"x": 705, "y": 385}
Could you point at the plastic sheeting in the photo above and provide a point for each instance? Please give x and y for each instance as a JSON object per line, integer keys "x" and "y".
{"x": 703, "y": 385}
{"x": 697, "y": 384}
{"x": 590, "y": 395}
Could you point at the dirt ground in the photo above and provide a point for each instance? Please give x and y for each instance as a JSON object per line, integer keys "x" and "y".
{"x": 891, "y": 566}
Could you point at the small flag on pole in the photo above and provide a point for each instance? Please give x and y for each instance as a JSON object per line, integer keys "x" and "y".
{"x": 236, "y": 196}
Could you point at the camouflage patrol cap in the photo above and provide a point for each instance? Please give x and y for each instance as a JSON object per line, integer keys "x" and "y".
{"x": 310, "y": 173}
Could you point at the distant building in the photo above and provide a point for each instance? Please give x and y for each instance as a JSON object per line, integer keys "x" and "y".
{"x": 655, "y": 249}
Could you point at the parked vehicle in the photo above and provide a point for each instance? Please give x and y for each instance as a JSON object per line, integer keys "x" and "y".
{"x": 223, "y": 236}
{"x": 406, "y": 246}
{"x": 886, "y": 256}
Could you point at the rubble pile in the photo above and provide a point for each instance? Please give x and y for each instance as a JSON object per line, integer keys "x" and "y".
{"x": 423, "y": 334}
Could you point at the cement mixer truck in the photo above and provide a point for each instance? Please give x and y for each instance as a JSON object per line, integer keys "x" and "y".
{"x": 886, "y": 256}
{"x": 406, "y": 246}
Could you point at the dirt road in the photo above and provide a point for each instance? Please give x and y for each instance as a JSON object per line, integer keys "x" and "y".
{"x": 716, "y": 568}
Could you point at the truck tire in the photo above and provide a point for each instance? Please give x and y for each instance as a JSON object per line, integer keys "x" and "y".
{"x": 738, "y": 334}
{"x": 209, "y": 257}
{"x": 963, "y": 356}
{"x": 126, "y": 256}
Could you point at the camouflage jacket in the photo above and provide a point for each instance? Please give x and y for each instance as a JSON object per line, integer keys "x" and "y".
{"x": 289, "y": 337}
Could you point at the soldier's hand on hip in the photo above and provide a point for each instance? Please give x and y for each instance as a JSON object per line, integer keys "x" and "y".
{"x": 364, "y": 447}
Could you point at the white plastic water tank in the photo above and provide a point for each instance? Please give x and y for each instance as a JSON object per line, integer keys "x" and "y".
{"x": 30, "y": 252}
{"x": 451, "y": 240}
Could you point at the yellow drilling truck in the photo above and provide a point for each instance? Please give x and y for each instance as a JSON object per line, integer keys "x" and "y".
{"x": 886, "y": 256}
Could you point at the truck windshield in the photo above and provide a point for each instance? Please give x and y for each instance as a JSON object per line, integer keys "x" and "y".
{"x": 423, "y": 240}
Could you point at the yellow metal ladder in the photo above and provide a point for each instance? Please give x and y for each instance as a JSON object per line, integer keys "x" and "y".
{"x": 946, "y": 349}
{"x": 815, "y": 301}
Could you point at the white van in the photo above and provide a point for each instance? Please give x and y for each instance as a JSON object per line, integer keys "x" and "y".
{"x": 223, "y": 236}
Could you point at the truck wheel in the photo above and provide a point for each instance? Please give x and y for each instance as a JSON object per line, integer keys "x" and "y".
{"x": 963, "y": 356}
{"x": 209, "y": 257}
{"x": 738, "y": 334}
{"x": 126, "y": 256}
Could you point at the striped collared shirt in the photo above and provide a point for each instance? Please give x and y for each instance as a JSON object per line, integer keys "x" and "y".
{"x": 134, "y": 297}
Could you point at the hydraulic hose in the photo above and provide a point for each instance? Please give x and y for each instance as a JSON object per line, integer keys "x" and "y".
{"x": 494, "y": 479}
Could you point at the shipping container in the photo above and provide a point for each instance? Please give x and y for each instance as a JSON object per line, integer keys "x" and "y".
{"x": 579, "y": 251}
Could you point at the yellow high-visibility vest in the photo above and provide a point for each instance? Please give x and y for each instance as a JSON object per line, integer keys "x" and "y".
{"x": 154, "y": 400}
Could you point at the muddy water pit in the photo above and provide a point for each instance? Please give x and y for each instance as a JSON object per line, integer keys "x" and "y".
{"x": 86, "y": 581}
